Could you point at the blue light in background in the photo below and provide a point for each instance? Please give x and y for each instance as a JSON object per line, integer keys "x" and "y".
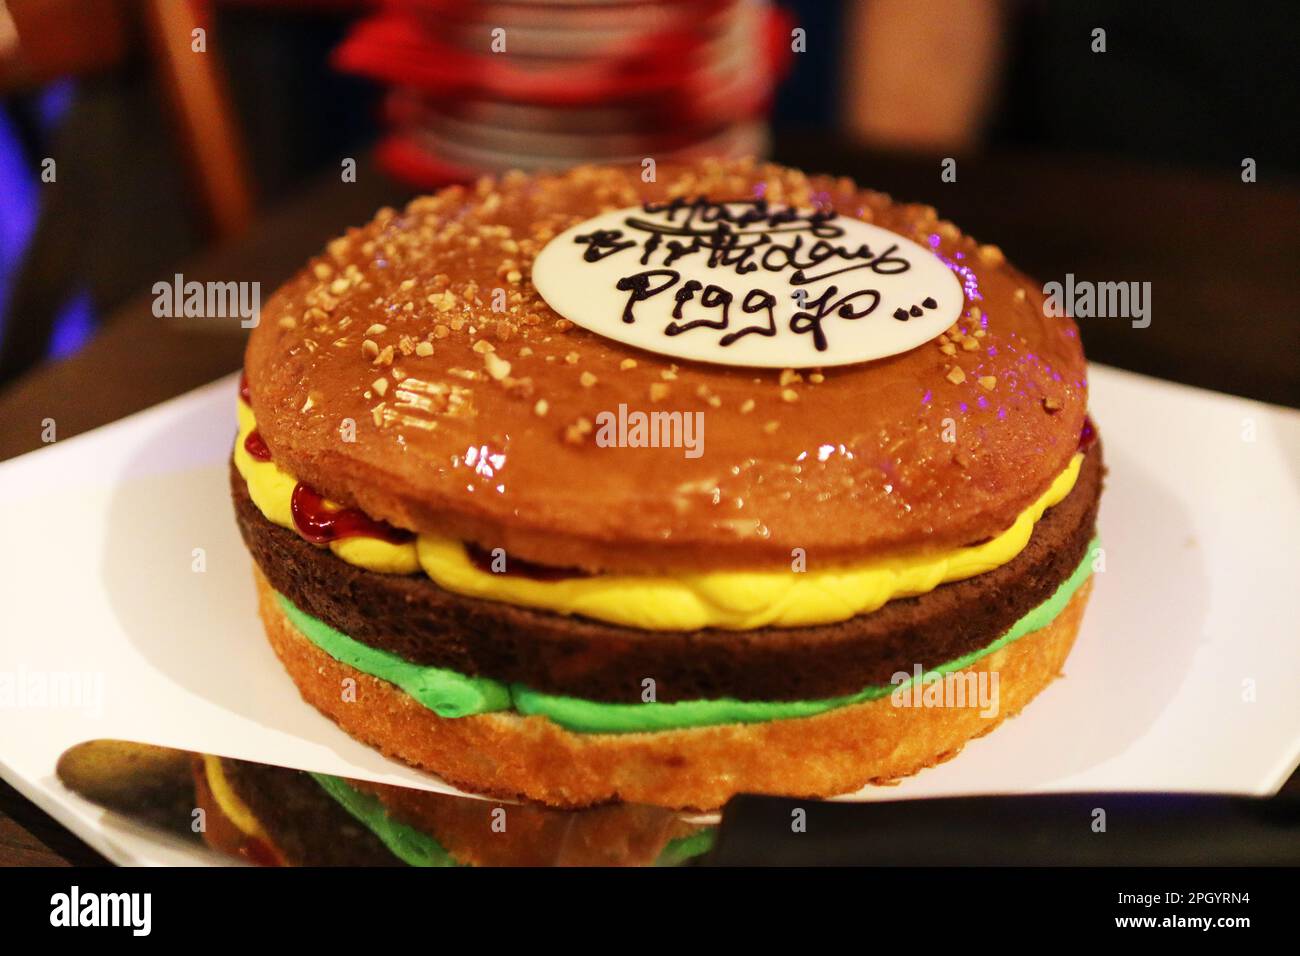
{"x": 73, "y": 327}
{"x": 54, "y": 102}
{"x": 17, "y": 212}
{"x": 20, "y": 186}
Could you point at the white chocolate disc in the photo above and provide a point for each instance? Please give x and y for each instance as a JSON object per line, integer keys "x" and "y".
{"x": 747, "y": 283}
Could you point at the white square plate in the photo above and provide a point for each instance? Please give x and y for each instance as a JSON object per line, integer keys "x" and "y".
{"x": 1184, "y": 676}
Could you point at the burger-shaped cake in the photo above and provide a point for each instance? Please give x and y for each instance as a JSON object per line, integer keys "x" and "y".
{"x": 664, "y": 485}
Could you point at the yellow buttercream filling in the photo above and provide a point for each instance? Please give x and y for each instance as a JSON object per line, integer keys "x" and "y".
{"x": 234, "y": 808}
{"x": 271, "y": 489}
{"x": 732, "y": 600}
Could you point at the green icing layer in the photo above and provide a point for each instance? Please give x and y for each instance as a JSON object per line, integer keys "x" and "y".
{"x": 683, "y": 849}
{"x": 408, "y": 844}
{"x": 446, "y": 693}
{"x": 450, "y": 694}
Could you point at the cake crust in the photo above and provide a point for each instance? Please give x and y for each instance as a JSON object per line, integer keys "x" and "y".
{"x": 854, "y": 463}
{"x": 511, "y": 756}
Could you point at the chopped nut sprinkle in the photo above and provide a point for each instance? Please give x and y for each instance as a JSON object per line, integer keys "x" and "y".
{"x": 423, "y": 349}
{"x": 541, "y": 408}
{"x": 956, "y": 375}
{"x": 746, "y": 406}
{"x": 442, "y": 301}
{"x": 575, "y": 433}
{"x": 586, "y": 380}
{"x": 380, "y": 385}
{"x": 988, "y": 382}
{"x": 789, "y": 395}
{"x": 658, "y": 391}
{"x": 497, "y": 367}
{"x": 522, "y": 387}
{"x": 627, "y": 363}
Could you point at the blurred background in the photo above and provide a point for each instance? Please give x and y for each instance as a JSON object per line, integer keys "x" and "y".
{"x": 141, "y": 138}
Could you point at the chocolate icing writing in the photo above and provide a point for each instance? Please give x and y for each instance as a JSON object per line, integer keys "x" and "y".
{"x": 743, "y": 238}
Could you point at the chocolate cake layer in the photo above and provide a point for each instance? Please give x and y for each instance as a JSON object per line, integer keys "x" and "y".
{"x": 413, "y": 617}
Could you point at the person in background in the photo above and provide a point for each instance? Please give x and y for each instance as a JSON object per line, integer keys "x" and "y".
{"x": 922, "y": 74}
{"x": 1188, "y": 84}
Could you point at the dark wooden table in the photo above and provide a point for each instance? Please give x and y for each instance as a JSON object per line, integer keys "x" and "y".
{"x": 1221, "y": 257}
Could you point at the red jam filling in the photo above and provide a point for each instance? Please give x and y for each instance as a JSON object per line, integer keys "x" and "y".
{"x": 256, "y": 447}
{"x": 1087, "y": 437}
{"x": 315, "y": 521}
{"x": 518, "y": 567}
{"x": 321, "y": 525}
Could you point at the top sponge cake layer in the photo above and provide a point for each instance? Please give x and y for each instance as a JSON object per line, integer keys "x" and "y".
{"x": 383, "y": 376}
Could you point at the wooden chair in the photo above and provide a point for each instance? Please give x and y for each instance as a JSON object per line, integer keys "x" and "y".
{"x": 73, "y": 38}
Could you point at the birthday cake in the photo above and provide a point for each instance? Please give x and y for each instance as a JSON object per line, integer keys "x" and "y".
{"x": 664, "y": 485}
